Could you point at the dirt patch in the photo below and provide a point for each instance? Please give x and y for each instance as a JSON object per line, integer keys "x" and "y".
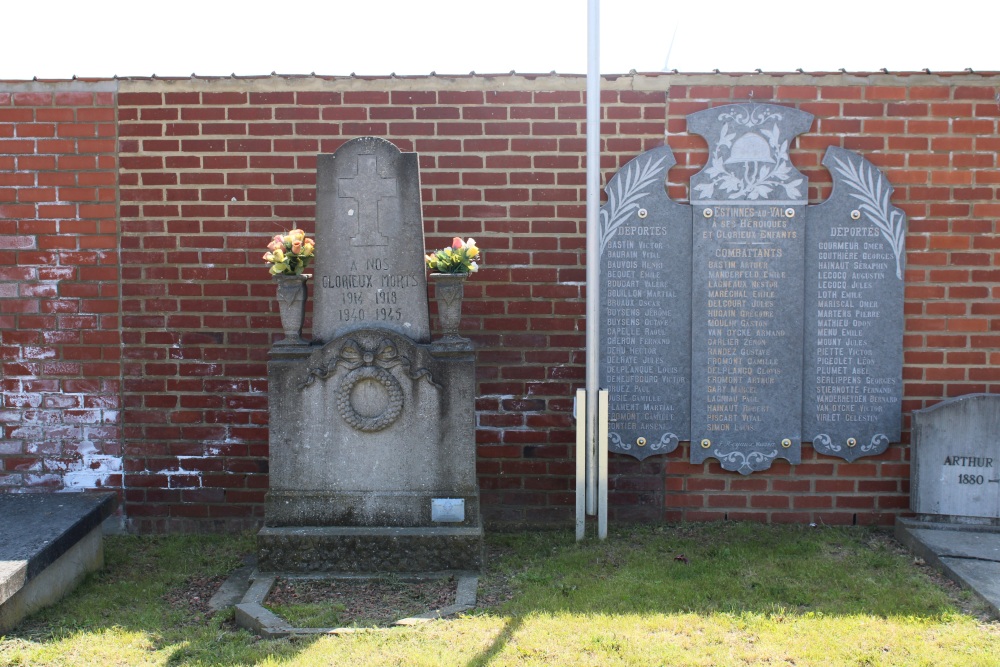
{"x": 193, "y": 596}
{"x": 365, "y": 602}
{"x": 355, "y": 602}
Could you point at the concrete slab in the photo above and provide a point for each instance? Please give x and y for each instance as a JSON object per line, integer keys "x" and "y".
{"x": 50, "y": 542}
{"x": 966, "y": 554}
{"x": 980, "y": 576}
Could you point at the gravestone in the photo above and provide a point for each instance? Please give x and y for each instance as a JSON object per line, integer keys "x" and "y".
{"x": 372, "y": 427}
{"x": 956, "y": 460}
{"x": 371, "y": 270}
{"x": 748, "y": 321}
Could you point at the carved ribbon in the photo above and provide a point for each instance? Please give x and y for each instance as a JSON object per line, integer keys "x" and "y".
{"x": 353, "y": 355}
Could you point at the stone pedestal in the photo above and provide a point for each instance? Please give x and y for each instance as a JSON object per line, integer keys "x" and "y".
{"x": 372, "y": 450}
{"x": 369, "y": 550}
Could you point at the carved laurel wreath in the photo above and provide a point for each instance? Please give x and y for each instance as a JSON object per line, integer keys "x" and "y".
{"x": 374, "y": 423}
{"x": 365, "y": 365}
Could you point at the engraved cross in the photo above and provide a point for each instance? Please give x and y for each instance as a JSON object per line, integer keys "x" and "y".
{"x": 368, "y": 189}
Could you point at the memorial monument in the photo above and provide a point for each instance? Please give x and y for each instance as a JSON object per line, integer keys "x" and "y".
{"x": 747, "y": 320}
{"x": 372, "y": 426}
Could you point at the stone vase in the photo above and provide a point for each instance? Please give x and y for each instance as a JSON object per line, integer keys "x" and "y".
{"x": 292, "y": 307}
{"x": 449, "y": 288}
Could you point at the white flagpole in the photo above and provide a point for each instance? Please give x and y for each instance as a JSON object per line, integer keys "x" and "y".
{"x": 593, "y": 246}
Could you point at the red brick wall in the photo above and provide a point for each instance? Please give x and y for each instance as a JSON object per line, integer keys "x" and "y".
{"x": 208, "y": 170}
{"x": 60, "y": 343}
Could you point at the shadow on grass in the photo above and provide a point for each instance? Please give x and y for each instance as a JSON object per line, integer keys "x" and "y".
{"x": 150, "y": 598}
{"x": 511, "y": 625}
{"x": 138, "y": 601}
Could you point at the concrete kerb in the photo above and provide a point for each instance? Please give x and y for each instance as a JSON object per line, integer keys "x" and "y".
{"x": 252, "y": 615}
{"x": 969, "y": 555}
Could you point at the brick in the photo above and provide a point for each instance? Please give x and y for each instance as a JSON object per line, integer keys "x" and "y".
{"x": 973, "y": 93}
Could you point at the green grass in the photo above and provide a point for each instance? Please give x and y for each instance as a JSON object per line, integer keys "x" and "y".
{"x": 746, "y": 595}
{"x": 312, "y": 614}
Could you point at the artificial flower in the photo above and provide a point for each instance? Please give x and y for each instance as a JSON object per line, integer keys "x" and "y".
{"x": 456, "y": 258}
{"x": 289, "y": 253}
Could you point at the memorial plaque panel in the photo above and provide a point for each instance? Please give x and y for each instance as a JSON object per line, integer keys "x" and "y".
{"x": 368, "y": 222}
{"x": 956, "y": 458}
{"x": 645, "y": 309}
{"x": 748, "y": 262}
{"x": 783, "y": 320}
{"x": 855, "y": 256}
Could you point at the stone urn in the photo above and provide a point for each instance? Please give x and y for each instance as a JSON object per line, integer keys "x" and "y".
{"x": 449, "y": 288}
{"x": 292, "y": 306}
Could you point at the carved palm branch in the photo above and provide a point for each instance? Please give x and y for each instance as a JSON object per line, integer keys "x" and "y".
{"x": 624, "y": 195}
{"x": 874, "y": 197}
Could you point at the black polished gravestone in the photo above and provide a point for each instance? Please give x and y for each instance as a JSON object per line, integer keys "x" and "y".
{"x": 855, "y": 252}
{"x": 645, "y": 309}
{"x": 784, "y": 320}
{"x": 748, "y": 259}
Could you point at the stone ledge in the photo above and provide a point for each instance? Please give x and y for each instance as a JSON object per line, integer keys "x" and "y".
{"x": 969, "y": 555}
{"x": 363, "y": 509}
{"x": 370, "y": 550}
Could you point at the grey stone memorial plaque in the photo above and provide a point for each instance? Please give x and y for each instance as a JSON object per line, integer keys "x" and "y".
{"x": 785, "y": 321}
{"x": 370, "y": 271}
{"x": 645, "y": 309}
{"x": 748, "y": 265}
{"x": 855, "y": 255}
{"x": 956, "y": 460}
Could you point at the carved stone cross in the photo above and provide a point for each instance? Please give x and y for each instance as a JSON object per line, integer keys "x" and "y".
{"x": 368, "y": 188}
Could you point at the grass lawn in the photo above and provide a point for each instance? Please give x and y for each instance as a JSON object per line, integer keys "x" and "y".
{"x": 692, "y": 594}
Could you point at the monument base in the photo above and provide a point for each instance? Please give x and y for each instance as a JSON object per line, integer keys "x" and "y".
{"x": 362, "y": 509}
{"x": 369, "y": 549}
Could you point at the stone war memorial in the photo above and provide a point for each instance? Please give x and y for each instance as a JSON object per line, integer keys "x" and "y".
{"x": 372, "y": 427}
{"x": 747, "y": 321}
